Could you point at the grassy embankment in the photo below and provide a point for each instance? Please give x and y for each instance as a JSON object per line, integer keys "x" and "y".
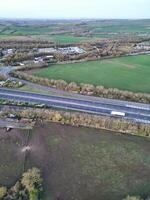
{"x": 125, "y": 73}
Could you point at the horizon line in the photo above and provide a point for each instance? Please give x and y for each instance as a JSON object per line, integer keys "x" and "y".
{"x": 71, "y": 18}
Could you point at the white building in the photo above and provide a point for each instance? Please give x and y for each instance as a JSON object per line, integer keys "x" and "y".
{"x": 65, "y": 50}
{"x": 47, "y": 50}
{"x": 71, "y": 50}
{"x": 8, "y": 52}
{"x": 143, "y": 46}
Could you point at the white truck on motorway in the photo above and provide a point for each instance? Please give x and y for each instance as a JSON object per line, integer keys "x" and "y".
{"x": 119, "y": 114}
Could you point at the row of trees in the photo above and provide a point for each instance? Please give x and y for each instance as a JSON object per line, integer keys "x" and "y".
{"x": 30, "y": 44}
{"x": 28, "y": 188}
{"x": 25, "y": 44}
{"x": 86, "y": 89}
{"x": 86, "y": 120}
{"x": 39, "y": 112}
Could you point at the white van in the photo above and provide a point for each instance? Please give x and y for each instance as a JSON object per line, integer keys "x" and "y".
{"x": 116, "y": 113}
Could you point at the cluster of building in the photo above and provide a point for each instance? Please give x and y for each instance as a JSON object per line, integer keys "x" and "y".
{"x": 71, "y": 50}
{"x": 143, "y": 46}
{"x": 6, "y": 52}
{"x": 65, "y": 50}
{"x": 47, "y": 59}
{"x": 47, "y": 50}
{"x": 46, "y": 55}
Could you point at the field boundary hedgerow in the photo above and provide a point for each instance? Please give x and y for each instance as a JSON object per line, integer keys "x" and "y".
{"x": 85, "y": 89}
{"x": 83, "y": 120}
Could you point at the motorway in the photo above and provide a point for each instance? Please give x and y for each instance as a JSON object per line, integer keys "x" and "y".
{"x": 133, "y": 111}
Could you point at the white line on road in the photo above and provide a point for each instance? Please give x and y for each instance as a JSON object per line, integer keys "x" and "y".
{"x": 66, "y": 102}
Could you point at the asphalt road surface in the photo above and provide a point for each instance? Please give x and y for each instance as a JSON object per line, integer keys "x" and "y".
{"x": 133, "y": 111}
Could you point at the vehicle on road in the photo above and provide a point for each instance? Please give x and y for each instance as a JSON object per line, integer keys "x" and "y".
{"x": 116, "y": 113}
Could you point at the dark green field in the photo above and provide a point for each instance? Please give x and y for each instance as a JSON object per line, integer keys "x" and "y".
{"x": 79, "y": 163}
{"x": 125, "y": 73}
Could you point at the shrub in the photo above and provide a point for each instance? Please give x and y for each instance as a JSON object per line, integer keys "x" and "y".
{"x": 3, "y": 192}
{"x": 33, "y": 195}
{"x": 32, "y": 179}
{"x": 2, "y": 78}
{"x": 28, "y": 188}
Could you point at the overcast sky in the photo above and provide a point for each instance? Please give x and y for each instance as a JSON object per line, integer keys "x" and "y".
{"x": 75, "y": 8}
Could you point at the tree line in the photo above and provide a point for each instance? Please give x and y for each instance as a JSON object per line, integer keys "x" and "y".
{"x": 85, "y": 89}
{"x": 82, "y": 119}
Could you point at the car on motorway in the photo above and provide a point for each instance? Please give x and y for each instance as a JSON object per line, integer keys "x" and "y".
{"x": 119, "y": 114}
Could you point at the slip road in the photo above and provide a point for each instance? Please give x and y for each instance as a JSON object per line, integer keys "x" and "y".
{"x": 132, "y": 111}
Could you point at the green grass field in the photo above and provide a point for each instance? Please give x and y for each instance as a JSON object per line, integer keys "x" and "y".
{"x": 120, "y": 26}
{"x": 126, "y": 73}
{"x": 67, "y": 39}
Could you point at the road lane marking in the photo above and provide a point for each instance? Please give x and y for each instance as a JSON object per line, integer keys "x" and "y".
{"x": 71, "y": 103}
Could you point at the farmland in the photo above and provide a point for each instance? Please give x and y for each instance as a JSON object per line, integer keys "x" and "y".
{"x": 125, "y": 73}
{"x": 67, "y": 39}
{"x": 73, "y": 31}
{"x": 79, "y": 163}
